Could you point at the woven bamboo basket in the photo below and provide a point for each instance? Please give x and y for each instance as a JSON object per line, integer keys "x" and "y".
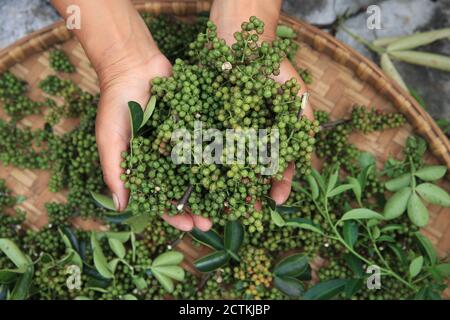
{"x": 342, "y": 78}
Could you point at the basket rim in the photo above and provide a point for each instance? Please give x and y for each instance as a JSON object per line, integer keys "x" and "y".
{"x": 363, "y": 68}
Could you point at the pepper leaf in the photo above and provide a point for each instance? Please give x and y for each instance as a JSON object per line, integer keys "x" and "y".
{"x": 398, "y": 183}
{"x": 173, "y": 272}
{"x": 165, "y": 281}
{"x": 325, "y": 290}
{"x": 289, "y": 286}
{"x": 397, "y": 204}
{"x": 104, "y": 201}
{"x": 292, "y": 266}
{"x": 415, "y": 267}
{"x": 431, "y": 173}
{"x": 361, "y": 214}
{"x": 428, "y": 247}
{"x": 417, "y": 211}
{"x": 148, "y": 111}
{"x": 136, "y": 117}
{"x": 13, "y": 252}
{"x": 170, "y": 258}
{"x": 434, "y": 194}
{"x": 234, "y": 236}
{"x": 350, "y": 232}
{"x": 209, "y": 238}
{"x": 212, "y": 261}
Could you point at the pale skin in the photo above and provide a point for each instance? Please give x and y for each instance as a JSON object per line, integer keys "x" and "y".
{"x": 125, "y": 57}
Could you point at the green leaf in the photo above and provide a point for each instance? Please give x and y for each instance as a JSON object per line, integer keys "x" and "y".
{"x": 415, "y": 267}
{"x": 313, "y": 186}
{"x": 100, "y": 262}
{"x": 277, "y": 219}
{"x": 13, "y": 252}
{"x": 434, "y": 194}
{"x": 363, "y": 175}
{"x": 71, "y": 258}
{"x": 119, "y": 236}
{"x": 289, "y": 286}
{"x": 376, "y": 232}
{"x": 399, "y": 253}
{"x": 427, "y": 247}
{"x": 113, "y": 264}
{"x": 443, "y": 269}
{"x": 170, "y": 258}
{"x": 234, "y": 236}
{"x": 417, "y": 212}
{"x": 70, "y": 238}
{"x": 165, "y": 281}
{"x": 385, "y": 238}
{"x": 139, "y": 282}
{"x": 285, "y": 32}
{"x": 360, "y": 214}
{"x": 117, "y": 247}
{"x": 325, "y": 290}
{"x": 104, "y": 201}
{"x": 431, "y": 173}
{"x": 366, "y": 159}
{"x": 352, "y": 287}
{"x": 138, "y": 223}
{"x": 350, "y": 232}
{"x": 292, "y": 266}
{"x": 136, "y": 117}
{"x": 332, "y": 181}
{"x": 8, "y": 276}
{"x": 284, "y": 210}
{"x": 338, "y": 190}
{"x": 397, "y": 204}
{"x": 356, "y": 187}
{"x": 209, "y": 238}
{"x": 303, "y": 224}
{"x": 355, "y": 264}
{"x": 319, "y": 179}
{"x": 399, "y": 183}
{"x": 133, "y": 246}
{"x": 22, "y": 288}
{"x": 148, "y": 111}
{"x": 129, "y": 297}
{"x": 212, "y": 261}
{"x": 173, "y": 272}
{"x": 391, "y": 227}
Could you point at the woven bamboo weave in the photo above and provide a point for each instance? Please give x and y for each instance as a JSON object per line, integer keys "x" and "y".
{"x": 342, "y": 78}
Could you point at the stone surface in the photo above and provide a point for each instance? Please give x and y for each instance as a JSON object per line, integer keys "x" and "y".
{"x": 398, "y": 17}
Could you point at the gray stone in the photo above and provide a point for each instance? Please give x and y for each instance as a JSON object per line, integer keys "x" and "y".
{"x": 20, "y": 17}
{"x": 398, "y": 18}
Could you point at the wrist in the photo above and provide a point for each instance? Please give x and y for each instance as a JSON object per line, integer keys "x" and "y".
{"x": 228, "y": 15}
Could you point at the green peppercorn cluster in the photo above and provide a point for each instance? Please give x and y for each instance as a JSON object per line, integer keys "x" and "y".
{"x": 173, "y": 35}
{"x": 60, "y": 62}
{"x": 254, "y": 272}
{"x": 333, "y": 141}
{"x": 15, "y": 103}
{"x": 225, "y": 88}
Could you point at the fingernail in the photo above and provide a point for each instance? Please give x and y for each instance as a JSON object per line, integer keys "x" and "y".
{"x": 116, "y": 201}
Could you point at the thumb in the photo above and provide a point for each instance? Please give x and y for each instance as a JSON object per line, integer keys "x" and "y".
{"x": 113, "y": 136}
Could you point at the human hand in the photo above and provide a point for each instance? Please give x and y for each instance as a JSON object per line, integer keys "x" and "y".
{"x": 228, "y": 16}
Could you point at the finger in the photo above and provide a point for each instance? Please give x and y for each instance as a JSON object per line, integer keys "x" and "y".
{"x": 281, "y": 189}
{"x": 182, "y": 221}
{"x": 201, "y": 223}
{"x": 113, "y": 134}
{"x": 287, "y": 72}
